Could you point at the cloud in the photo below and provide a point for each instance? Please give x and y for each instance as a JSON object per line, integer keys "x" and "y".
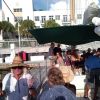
{"x": 56, "y": 4}
{"x": 59, "y": 5}
{"x": 64, "y": 4}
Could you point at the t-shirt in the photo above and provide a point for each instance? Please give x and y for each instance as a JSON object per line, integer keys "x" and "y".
{"x": 92, "y": 62}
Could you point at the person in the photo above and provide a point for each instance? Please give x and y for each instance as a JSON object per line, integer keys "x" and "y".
{"x": 75, "y": 59}
{"x": 15, "y": 85}
{"x": 92, "y": 65}
{"x": 54, "y": 89}
{"x": 1, "y": 93}
{"x": 57, "y": 49}
{"x": 88, "y": 53}
{"x": 51, "y": 49}
{"x": 67, "y": 58}
{"x": 68, "y": 76}
{"x": 51, "y": 54}
{"x": 59, "y": 60}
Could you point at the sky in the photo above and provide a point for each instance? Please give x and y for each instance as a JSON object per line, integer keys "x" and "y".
{"x": 49, "y": 4}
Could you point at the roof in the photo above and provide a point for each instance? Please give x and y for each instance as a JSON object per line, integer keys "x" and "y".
{"x": 70, "y": 35}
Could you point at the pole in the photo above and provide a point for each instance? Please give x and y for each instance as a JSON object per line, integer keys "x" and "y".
{"x": 19, "y": 36}
{"x": 72, "y": 11}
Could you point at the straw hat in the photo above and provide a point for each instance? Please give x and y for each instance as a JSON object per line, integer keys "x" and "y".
{"x": 68, "y": 74}
{"x": 17, "y": 62}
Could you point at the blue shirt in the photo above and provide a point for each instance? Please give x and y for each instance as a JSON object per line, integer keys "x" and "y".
{"x": 92, "y": 62}
{"x": 57, "y": 91}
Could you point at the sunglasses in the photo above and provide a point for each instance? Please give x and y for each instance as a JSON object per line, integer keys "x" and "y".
{"x": 17, "y": 67}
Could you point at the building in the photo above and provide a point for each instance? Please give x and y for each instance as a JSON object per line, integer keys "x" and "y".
{"x": 0, "y": 11}
{"x": 23, "y": 9}
{"x": 61, "y": 17}
{"x": 17, "y": 10}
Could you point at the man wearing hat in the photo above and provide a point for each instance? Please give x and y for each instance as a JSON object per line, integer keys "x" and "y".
{"x": 15, "y": 84}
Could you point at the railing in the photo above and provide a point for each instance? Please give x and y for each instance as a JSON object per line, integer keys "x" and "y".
{"x": 24, "y": 42}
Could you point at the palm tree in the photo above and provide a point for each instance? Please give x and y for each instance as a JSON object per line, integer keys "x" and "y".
{"x": 8, "y": 29}
{"x": 0, "y": 26}
{"x": 24, "y": 26}
{"x": 7, "y": 26}
{"x": 50, "y": 23}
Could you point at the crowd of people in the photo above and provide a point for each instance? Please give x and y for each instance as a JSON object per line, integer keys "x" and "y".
{"x": 19, "y": 84}
{"x": 87, "y": 63}
{"x": 71, "y": 58}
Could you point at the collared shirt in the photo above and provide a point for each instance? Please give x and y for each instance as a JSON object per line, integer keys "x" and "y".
{"x": 15, "y": 89}
{"x": 92, "y": 62}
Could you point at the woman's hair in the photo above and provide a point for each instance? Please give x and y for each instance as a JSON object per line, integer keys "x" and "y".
{"x": 55, "y": 76}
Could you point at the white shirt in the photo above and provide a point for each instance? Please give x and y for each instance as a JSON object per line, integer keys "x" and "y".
{"x": 14, "y": 83}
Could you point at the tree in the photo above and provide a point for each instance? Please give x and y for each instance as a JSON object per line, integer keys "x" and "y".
{"x": 8, "y": 29}
{"x": 24, "y": 26}
{"x": 50, "y": 23}
{"x": 92, "y": 11}
{"x": 0, "y": 26}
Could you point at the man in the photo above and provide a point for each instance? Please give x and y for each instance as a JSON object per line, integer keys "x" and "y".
{"x": 51, "y": 49}
{"x": 92, "y": 65}
{"x": 15, "y": 84}
{"x": 57, "y": 49}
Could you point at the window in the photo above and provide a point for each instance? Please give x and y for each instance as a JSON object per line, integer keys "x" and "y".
{"x": 17, "y": 9}
{"x": 79, "y": 16}
{"x": 66, "y": 24}
{"x": 18, "y": 19}
{"x": 37, "y": 26}
{"x": 43, "y": 19}
{"x": 57, "y": 17}
{"x": 27, "y": 17}
{"x": 36, "y": 18}
{"x": 64, "y": 18}
{"x": 42, "y": 25}
{"x": 50, "y": 17}
{"x": 8, "y": 19}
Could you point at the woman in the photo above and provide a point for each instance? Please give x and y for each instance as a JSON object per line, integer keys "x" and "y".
{"x": 59, "y": 60}
{"x": 54, "y": 87}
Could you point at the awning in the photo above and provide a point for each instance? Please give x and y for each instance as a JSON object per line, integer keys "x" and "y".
{"x": 70, "y": 35}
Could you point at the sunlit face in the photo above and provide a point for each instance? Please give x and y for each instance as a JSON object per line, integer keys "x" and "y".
{"x": 57, "y": 54}
{"x": 17, "y": 70}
